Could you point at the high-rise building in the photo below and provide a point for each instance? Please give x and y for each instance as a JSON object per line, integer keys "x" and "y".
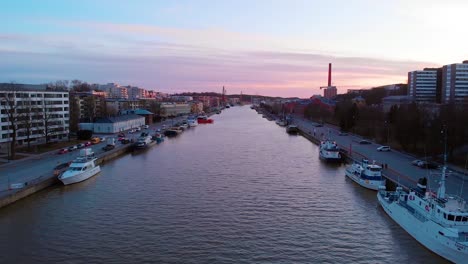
{"x": 455, "y": 83}
{"x": 422, "y": 85}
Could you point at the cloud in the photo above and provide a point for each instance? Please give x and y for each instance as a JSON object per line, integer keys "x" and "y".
{"x": 175, "y": 60}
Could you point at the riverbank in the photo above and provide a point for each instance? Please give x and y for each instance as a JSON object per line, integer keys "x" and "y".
{"x": 25, "y": 177}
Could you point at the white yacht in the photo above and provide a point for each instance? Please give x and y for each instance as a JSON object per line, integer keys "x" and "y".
{"x": 329, "y": 151}
{"x": 192, "y": 122}
{"x": 144, "y": 141}
{"x": 82, "y": 168}
{"x": 365, "y": 174}
{"x": 436, "y": 220}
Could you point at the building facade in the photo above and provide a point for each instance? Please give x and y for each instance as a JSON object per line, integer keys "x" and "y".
{"x": 422, "y": 85}
{"x": 175, "y": 109}
{"x": 114, "y": 124}
{"x": 455, "y": 83}
{"x": 329, "y": 92}
{"x": 85, "y": 107}
{"x": 37, "y": 113}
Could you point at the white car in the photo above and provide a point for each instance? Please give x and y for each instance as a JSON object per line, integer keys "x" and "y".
{"x": 131, "y": 131}
{"x": 383, "y": 148}
{"x": 145, "y": 126}
{"x": 137, "y": 129}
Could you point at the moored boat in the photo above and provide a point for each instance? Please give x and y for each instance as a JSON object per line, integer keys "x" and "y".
{"x": 292, "y": 129}
{"x": 204, "y": 120}
{"x": 144, "y": 141}
{"x": 329, "y": 151}
{"x": 436, "y": 220}
{"x": 365, "y": 174}
{"x": 82, "y": 168}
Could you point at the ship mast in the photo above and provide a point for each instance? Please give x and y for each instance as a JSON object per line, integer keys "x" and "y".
{"x": 441, "y": 190}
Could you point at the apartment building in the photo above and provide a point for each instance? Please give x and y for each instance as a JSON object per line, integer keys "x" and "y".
{"x": 455, "y": 83}
{"x": 114, "y": 90}
{"x": 422, "y": 85}
{"x": 37, "y": 112}
{"x": 85, "y": 107}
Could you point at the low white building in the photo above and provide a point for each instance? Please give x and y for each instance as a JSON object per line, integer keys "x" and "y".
{"x": 116, "y": 124}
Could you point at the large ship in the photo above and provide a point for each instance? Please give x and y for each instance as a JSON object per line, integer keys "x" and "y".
{"x": 329, "y": 151}
{"x": 365, "y": 174}
{"x": 82, "y": 168}
{"x": 436, "y": 220}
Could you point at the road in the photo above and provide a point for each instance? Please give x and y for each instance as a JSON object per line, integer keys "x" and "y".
{"x": 399, "y": 168}
{"x": 23, "y": 171}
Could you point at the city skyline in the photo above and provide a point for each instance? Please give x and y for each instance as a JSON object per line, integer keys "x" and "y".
{"x": 271, "y": 48}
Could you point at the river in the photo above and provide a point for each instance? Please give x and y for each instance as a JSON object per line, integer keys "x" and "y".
{"x": 240, "y": 190}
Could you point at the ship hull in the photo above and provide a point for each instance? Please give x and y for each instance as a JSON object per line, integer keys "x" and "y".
{"x": 80, "y": 177}
{"x": 426, "y": 232}
{"x": 369, "y": 184}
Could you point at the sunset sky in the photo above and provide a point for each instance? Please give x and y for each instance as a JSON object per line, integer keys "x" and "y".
{"x": 266, "y": 47}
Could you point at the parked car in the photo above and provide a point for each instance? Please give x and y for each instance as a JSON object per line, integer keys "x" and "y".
{"x": 383, "y": 148}
{"x": 416, "y": 162}
{"x": 145, "y": 126}
{"x": 365, "y": 142}
{"x": 120, "y": 138}
{"x": 132, "y": 131}
{"x": 343, "y": 134}
{"x": 137, "y": 129}
{"x": 95, "y": 140}
{"x": 108, "y": 147}
{"x": 103, "y": 139}
{"x": 87, "y": 144}
{"x": 72, "y": 148}
{"x": 427, "y": 165}
{"x": 125, "y": 141}
{"x": 81, "y": 145}
{"x": 121, "y": 134}
{"x": 63, "y": 151}
{"x": 163, "y": 126}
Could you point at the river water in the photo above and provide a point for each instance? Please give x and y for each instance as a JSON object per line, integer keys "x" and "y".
{"x": 240, "y": 190}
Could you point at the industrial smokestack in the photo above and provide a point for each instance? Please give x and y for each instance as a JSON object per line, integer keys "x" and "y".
{"x": 329, "y": 74}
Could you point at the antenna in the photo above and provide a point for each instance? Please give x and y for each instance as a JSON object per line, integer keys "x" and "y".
{"x": 441, "y": 190}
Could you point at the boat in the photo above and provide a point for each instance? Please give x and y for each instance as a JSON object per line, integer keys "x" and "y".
{"x": 281, "y": 123}
{"x": 158, "y": 138}
{"x": 365, "y": 174}
{"x": 292, "y": 129}
{"x": 144, "y": 141}
{"x": 82, "y": 168}
{"x": 329, "y": 151}
{"x": 192, "y": 122}
{"x": 436, "y": 220}
{"x": 203, "y": 119}
{"x": 172, "y": 132}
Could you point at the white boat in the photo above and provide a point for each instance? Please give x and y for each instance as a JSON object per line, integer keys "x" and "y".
{"x": 82, "y": 168}
{"x": 329, "y": 151}
{"x": 192, "y": 122}
{"x": 281, "y": 123}
{"x": 143, "y": 141}
{"x": 436, "y": 220}
{"x": 365, "y": 174}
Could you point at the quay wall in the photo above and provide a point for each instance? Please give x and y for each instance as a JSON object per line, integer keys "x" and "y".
{"x": 49, "y": 179}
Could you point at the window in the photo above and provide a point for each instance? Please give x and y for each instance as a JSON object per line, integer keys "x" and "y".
{"x": 451, "y": 217}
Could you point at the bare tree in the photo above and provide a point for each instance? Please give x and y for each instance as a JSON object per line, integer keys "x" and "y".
{"x": 8, "y": 94}
{"x": 29, "y": 113}
{"x": 51, "y": 125}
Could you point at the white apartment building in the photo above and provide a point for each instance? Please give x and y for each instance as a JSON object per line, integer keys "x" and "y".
{"x": 136, "y": 92}
{"x": 175, "y": 109}
{"x": 114, "y": 90}
{"x": 455, "y": 83}
{"x": 43, "y": 111}
{"x": 422, "y": 85}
